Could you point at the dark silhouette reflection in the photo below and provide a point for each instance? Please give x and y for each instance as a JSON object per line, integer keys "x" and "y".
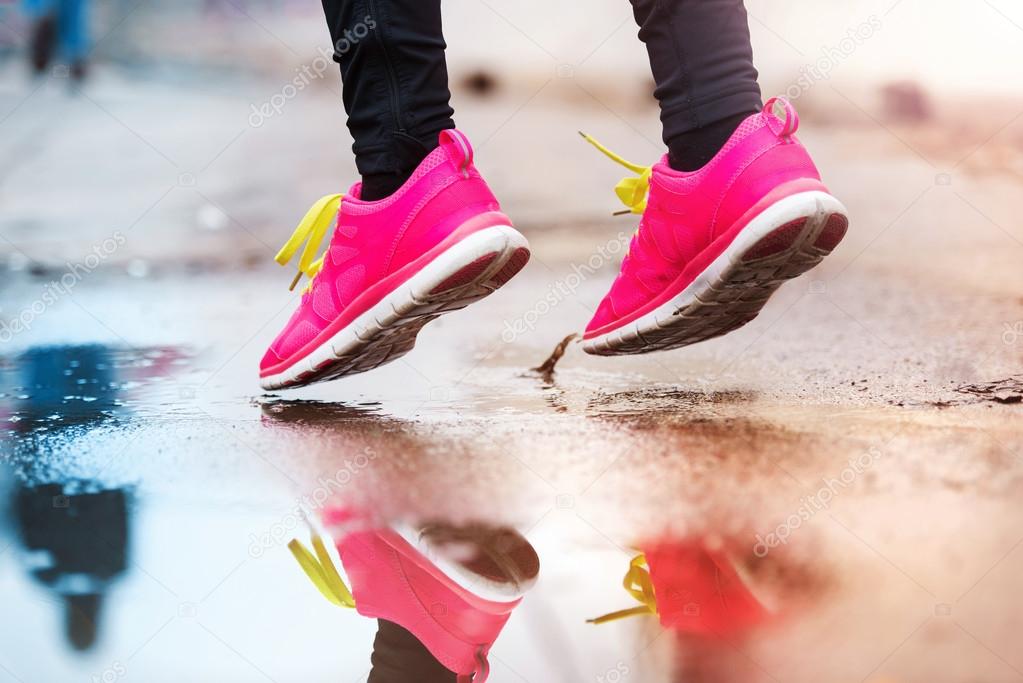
{"x": 319, "y": 413}
{"x": 77, "y": 545}
{"x": 648, "y": 407}
{"x": 74, "y": 529}
{"x": 654, "y": 404}
{"x": 354, "y": 427}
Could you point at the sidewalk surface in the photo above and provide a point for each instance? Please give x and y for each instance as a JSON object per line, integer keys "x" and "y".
{"x": 856, "y": 448}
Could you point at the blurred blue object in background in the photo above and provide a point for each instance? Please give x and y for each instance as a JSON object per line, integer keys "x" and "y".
{"x": 58, "y": 28}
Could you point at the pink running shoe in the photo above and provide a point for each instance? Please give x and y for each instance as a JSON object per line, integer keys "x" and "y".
{"x": 452, "y": 587}
{"x": 439, "y": 243}
{"x": 714, "y": 244}
{"x": 692, "y": 588}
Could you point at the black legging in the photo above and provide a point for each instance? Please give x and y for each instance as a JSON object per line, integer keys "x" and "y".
{"x": 395, "y": 83}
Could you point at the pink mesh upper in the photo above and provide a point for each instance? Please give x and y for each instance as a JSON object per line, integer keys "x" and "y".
{"x": 349, "y": 283}
{"x": 323, "y": 302}
{"x": 430, "y": 163}
{"x": 339, "y": 253}
{"x": 374, "y": 240}
{"x": 302, "y": 333}
{"x": 687, "y": 211}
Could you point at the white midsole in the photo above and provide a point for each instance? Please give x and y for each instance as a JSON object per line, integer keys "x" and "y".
{"x": 408, "y": 295}
{"x": 480, "y": 586}
{"x": 802, "y": 205}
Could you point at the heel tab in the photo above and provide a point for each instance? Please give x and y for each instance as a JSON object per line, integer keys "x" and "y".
{"x": 781, "y": 117}
{"x": 457, "y": 146}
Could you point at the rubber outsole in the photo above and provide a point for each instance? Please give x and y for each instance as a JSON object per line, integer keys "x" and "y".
{"x": 468, "y": 271}
{"x": 783, "y": 242}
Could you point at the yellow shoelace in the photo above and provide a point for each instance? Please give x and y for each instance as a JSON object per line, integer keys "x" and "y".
{"x": 311, "y": 229}
{"x": 632, "y": 191}
{"x": 637, "y": 583}
{"x": 321, "y": 571}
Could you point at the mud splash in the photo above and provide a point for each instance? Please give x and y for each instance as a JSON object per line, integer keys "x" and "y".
{"x": 1005, "y": 391}
{"x": 546, "y": 369}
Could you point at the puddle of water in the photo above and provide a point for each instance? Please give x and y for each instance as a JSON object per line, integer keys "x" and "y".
{"x": 146, "y": 533}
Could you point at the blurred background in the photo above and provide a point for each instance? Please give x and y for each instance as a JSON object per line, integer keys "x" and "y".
{"x": 154, "y": 156}
{"x": 169, "y": 95}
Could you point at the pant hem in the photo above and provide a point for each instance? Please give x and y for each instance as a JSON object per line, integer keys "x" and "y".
{"x": 693, "y": 115}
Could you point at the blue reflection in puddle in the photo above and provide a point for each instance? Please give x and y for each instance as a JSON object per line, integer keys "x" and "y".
{"x": 72, "y": 531}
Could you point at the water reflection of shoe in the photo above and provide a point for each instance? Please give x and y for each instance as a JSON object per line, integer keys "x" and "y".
{"x": 714, "y": 244}
{"x": 438, "y": 244}
{"x": 452, "y": 587}
{"x": 691, "y": 588}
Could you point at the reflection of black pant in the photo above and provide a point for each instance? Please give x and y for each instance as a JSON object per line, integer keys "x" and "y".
{"x": 399, "y": 658}
{"x": 395, "y": 78}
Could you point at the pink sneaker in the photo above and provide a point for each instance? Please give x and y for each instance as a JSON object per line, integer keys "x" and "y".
{"x": 439, "y": 243}
{"x": 692, "y": 588}
{"x": 714, "y": 244}
{"x": 452, "y": 587}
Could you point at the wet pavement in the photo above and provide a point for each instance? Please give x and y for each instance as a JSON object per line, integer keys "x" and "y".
{"x": 869, "y": 507}
{"x": 835, "y": 487}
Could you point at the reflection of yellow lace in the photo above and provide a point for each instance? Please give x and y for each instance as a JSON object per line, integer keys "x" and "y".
{"x": 637, "y": 583}
{"x": 321, "y": 570}
{"x": 632, "y": 191}
{"x": 311, "y": 229}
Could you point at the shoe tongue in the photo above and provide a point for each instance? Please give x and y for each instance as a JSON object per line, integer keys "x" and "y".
{"x": 354, "y": 192}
